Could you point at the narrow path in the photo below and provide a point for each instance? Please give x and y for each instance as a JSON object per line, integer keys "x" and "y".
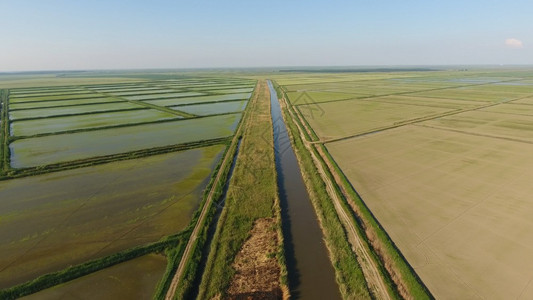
{"x": 366, "y": 261}
{"x": 228, "y": 159}
{"x": 141, "y": 103}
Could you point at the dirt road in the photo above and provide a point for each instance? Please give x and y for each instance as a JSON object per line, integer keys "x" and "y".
{"x": 228, "y": 158}
{"x": 366, "y": 261}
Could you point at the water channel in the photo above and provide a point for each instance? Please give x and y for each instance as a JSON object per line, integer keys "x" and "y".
{"x": 311, "y": 275}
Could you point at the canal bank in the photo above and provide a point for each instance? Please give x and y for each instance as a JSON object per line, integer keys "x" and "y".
{"x": 310, "y": 273}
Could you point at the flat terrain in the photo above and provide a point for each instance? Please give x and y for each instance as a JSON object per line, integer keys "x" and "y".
{"x": 135, "y": 279}
{"x": 128, "y": 171}
{"x": 53, "y": 220}
{"x": 458, "y": 206}
{"x": 443, "y": 161}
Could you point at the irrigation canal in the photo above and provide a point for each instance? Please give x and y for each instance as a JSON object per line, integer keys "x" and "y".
{"x": 311, "y": 275}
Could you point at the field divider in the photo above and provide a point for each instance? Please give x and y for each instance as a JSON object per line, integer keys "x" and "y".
{"x": 416, "y": 91}
{"x": 373, "y": 273}
{"x": 419, "y": 120}
{"x": 77, "y": 271}
{"x": 149, "y": 105}
{"x": 78, "y": 114}
{"x": 88, "y": 96}
{"x": 62, "y": 166}
{"x": 202, "y": 222}
{"x": 68, "y": 105}
{"x": 4, "y": 132}
{"x": 209, "y": 102}
{"x": 164, "y": 109}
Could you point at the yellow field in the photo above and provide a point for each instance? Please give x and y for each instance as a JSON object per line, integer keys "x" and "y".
{"x": 458, "y": 206}
{"x": 344, "y": 118}
{"x": 444, "y": 162}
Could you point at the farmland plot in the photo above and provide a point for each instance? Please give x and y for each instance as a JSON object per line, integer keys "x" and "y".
{"x": 70, "y": 110}
{"x": 66, "y": 147}
{"x": 134, "y": 279}
{"x": 59, "y": 219}
{"x": 60, "y": 124}
{"x": 71, "y": 215}
{"x": 166, "y": 95}
{"x": 345, "y": 118}
{"x": 58, "y": 103}
{"x": 213, "y": 108}
{"x": 54, "y": 97}
{"x": 199, "y": 99}
{"x": 458, "y": 206}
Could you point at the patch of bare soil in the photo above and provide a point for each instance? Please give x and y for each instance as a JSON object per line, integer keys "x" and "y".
{"x": 257, "y": 270}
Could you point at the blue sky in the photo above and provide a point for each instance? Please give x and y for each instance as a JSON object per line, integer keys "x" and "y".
{"x": 75, "y": 34}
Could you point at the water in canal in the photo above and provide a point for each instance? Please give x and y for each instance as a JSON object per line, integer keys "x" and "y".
{"x": 311, "y": 275}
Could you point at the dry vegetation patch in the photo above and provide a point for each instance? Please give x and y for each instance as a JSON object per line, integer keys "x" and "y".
{"x": 256, "y": 270}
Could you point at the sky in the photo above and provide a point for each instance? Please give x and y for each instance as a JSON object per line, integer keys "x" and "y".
{"x": 117, "y": 34}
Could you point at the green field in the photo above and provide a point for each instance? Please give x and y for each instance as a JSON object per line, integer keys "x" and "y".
{"x": 77, "y": 122}
{"x": 57, "y": 103}
{"x": 164, "y": 96}
{"x": 134, "y": 279}
{"x": 200, "y": 99}
{"x": 59, "y": 219}
{"x": 55, "y": 218}
{"x": 65, "y": 147}
{"x": 69, "y": 110}
{"x": 54, "y": 97}
{"x": 213, "y": 108}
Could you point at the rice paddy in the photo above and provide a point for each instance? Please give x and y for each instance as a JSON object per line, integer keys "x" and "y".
{"x": 58, "y": 218}
{"x": 442, "y": 160}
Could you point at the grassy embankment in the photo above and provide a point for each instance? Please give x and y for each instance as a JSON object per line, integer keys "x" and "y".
{"x": 172, "y": 246}
{"x": 4, "y": 132}
{"x": 399, "y": 274}
{"x": 109, "y": 158}
{"x": 49, "y": 280}
{"x": 348, "y": 272}
{"x": 184, "y": 288}
{"x": 252, "y": 195}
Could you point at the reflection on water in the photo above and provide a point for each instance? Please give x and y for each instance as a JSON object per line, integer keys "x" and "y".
{"x": 311, "y": 275}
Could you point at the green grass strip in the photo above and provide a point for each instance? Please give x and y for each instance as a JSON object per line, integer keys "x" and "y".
{"x": 185, "y": 287}
{"x": 17, "y": 173}
{"x": 348, "y": 272}
{"x": 4, "y": 133}
{"x": 252, "y": 195}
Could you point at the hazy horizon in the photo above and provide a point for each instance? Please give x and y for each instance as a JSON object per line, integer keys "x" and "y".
{"x": 125, "y": 35}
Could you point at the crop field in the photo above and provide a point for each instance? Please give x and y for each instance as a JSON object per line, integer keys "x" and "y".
{"x": 61, "y": 103}
{"x": 443, "y": 161}
{"x": 200, "y": 99}
{"x": 85, "y": 121}
{"x": 51, "y": 149}
{"x": 210, "y": 108}
{"x": 134, "y": 279}
{"x": 69, "y": 110}
{"x": 72, "y": 216}
{"x": 345, "y": 118}
{"x": 127, "y": 172}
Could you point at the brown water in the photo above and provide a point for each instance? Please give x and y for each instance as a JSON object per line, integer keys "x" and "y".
{"x": 311, "y": 275}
